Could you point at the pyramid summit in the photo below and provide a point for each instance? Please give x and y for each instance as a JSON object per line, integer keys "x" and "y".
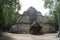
{"x": 31, "y": 9}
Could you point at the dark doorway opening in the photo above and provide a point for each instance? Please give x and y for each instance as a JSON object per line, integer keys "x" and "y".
{"x": 36, "y": 29}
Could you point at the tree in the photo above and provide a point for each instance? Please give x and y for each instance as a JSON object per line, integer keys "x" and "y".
{"x": 8, "y": 11}
{"x": 54, "y": 6}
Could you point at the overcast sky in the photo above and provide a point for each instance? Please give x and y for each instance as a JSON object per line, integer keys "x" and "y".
{"x": 37, "y": 4}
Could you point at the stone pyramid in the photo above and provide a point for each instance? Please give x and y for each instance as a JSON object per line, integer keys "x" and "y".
{"x": 30, "y": 16}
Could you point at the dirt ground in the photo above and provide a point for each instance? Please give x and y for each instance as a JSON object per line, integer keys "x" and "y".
{"x": 10, "y": 36}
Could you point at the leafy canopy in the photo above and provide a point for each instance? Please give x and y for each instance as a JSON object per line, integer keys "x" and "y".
{"x": 54, "y": 7}
{"x": 9, "y": 12}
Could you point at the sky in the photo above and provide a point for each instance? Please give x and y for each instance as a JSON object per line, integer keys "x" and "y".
{"x": 37, "y": 4}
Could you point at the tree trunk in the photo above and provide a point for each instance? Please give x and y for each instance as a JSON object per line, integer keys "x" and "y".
{"x": 59, "y": 25}
{"x": 1, "y": 32}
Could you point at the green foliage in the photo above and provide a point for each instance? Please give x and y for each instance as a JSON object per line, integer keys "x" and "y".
{"x": 9, "y": 12}
{"x": 48, "y": 3}
{"x": 54, "y": 6}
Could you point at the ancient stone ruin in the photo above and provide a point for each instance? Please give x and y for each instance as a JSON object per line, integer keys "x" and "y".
{"x": 29, "y": 18}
